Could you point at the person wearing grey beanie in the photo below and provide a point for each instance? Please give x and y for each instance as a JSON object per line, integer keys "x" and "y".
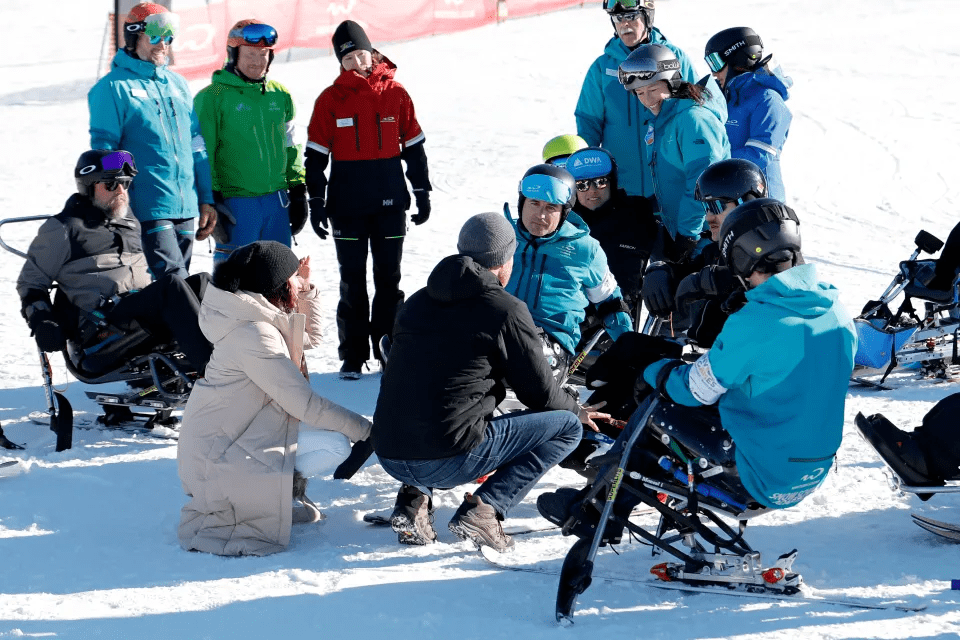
{"x": 456, "y": 344}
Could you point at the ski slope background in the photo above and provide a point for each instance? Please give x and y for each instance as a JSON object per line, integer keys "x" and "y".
{"x": 88, "y": 543}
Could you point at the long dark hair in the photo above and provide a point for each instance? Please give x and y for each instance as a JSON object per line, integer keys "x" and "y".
{"x": 690, "y": 91}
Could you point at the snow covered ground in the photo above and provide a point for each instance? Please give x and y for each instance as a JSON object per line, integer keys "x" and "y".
{"x": 88, "y": 545}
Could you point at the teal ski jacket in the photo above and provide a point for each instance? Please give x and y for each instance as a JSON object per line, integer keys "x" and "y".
{"x": 148, "y": 111}
{"x": 558, "y": 275}
{"x": 611, "y": 117}
{"x": 778, "y": 373}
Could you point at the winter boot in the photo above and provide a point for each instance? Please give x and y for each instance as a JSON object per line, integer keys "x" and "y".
{"x": 351, "y": 369}
{"x": 479, "y": 523}
{"x": 898, "y": 450}
{"x": 412, "y": 517}
{"x": 306, "y": 512}
{"x": 557, "y": 507}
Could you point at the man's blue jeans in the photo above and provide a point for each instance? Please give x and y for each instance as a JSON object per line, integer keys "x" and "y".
{"x": 521, "y": 447}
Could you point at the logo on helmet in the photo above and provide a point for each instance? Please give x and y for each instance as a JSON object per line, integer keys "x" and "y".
{"x": 742, "y": 43}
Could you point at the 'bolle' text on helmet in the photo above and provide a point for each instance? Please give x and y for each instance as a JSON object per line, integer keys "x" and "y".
{"x": 249, "y": 33}
{"x": 740, "y": 47}
{"x": 759, "y": 234}
{"x": 102, "y": 165}
{"x": 592, "y": 163}
{"x": 645, "y": 7}
{"x": 557, "y": 149}
{"x": 548, "y": 183}
{"x": 647, "y": 64}
{"x": 150, "y": 19}
{"x": 733, "y": 180}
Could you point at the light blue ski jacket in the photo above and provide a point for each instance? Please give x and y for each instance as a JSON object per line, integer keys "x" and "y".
{"x": 758, "y": 122}
{"x": 686, "y": 139}
{"x": 779, "y": 373}
{"x": 558, "y": 275}
{"x": 611, "y": 117}
{"x": 148, "y": 111}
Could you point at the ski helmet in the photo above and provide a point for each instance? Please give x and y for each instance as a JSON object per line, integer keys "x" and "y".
{"x": 647, "y": 64}
{"x": 557, "y": 149}
{"x": 645, "y": 8}
{"x": 151, "y": 19}
{"x": 103, "y": 165}
{"x": 732, "y": 180}
{"x": 759, "y": 234}
{"x": 740, "y": 47}
{"x": 249, "y": 33}
{"x": 592, "y": 163}
{"x": 548, "y": 183}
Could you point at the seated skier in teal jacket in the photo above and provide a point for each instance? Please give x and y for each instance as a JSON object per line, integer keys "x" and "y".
{"x": 779, "y": 370}
{"x": 558, "y": 267}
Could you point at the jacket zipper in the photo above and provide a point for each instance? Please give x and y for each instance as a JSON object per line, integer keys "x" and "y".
{"x": 523, "y": 269}
{"x": 356, "y": 129}
{"x": 379, "y": 134}
{"x": 536, "y": 298}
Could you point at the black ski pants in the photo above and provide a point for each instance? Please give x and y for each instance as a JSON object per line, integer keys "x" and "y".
{"x": 168, "y": 308}
{"x": 383, "y": 232}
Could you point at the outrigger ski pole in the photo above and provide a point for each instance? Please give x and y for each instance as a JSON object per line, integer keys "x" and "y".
{"x": 58, "y": 407}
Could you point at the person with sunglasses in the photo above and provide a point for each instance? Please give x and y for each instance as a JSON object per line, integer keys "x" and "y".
{"x": 91, "y": 251}
{"x": 247, "y": 123}
{"x": 604, "y": 118}
{"x": 758, "y": 120}
{"x": 147, "y": 109}
{"x": 624, "y": 225}
{"x": 367, "y": 122}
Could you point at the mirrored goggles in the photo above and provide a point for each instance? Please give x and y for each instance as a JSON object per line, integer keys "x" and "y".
{"x": 629, "y": 77}
{"x": 626, "y": 17}
{"x": 715, "y": 62}
{"x": 597, "y": 183}
{"x": 111, "y": 185}
{"x": 161, "y": 25}
{"x": 256, "y": 34}
{"x": 159, "y": 39}
{"x": 716, "y": 207}
{"x": 115, "y": 161}
{"x": 611, "y": 5}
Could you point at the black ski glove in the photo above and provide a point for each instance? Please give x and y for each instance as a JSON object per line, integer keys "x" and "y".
{"x": 297, "y": 196}
{"x": 44, "y": 327}
{"x": 657, "y": 289}
{"x": 734, "y": 302}
{"x": 318, "y": 217}
{"x": 710, "y": 282}
{"x": 423, "y": 207}
{"x": 359, "y": 454}
{"x": 683, "y": 246}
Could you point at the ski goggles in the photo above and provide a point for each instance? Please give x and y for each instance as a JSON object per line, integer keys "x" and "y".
{"x": 715, "y": 62}
{"x": 627, "y": 78}
{"x": 597, "y": 183}
{"x": 545, "y": 189}
{"x": 625, "y": 17}
{"x": 717, "y": 206}
{"x": 627, "y": 5}
{"x": 256, "y": 34}
{"x": 111, "y": 185}
{"x": 115, "y": 162}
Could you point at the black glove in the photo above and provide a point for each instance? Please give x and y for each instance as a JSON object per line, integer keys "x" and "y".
{"x": 734, "y": 302}
{"x": 657, "y": 290}
{"x": 683, "y": 246}
{"x": 358, "y": 456}
{"x": 318, "y": 217}
{"x": 297, "y": 195}
{"x": 44, "y": 327}
{"x": 423, "y": 207}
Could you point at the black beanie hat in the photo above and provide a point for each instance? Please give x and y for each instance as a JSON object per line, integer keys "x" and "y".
{"x": 350, "y": 37}
{"x": 259, "y": 267}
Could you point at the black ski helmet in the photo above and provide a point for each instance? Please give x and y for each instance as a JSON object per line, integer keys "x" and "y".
{"x": 758, "y": 234}
{"x": 732, "y": 180}
{"x": 739, "y": 47}
{"x": 548, "y": 183}
{"x": 102, "y": 165}
{"x": 647, "y": 64}
{"x": 645, "y": 8}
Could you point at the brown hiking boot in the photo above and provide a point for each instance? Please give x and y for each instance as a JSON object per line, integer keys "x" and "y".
{"x": 412, "y": 517}
{"x": 479, "y": 523}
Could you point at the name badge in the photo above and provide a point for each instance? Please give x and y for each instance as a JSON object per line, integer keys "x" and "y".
{"x": 344, "y": 122}
{"x": 139, "y": 93}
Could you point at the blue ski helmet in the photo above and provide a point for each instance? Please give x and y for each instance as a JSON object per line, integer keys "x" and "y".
{"x": 593, "y": 162}
{"x": 548, "y": 183}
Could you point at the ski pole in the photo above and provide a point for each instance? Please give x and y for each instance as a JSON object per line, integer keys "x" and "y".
{"x": 583, "y": 354}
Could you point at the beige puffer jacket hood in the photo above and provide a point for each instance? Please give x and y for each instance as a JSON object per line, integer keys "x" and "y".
{"x": 238, "y": 441}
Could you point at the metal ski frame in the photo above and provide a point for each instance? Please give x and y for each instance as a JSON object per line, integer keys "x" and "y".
{"x": 578, "y": 567}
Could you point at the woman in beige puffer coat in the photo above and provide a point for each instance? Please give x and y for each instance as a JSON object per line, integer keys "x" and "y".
{"x": 238, "y": 441}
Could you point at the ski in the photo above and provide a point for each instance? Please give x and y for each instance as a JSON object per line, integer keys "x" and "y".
{"x": 377, "y": 519}
{"x": 949, "y": 526}
{"x": 135, "y": 427}
{"x": 383, "y": 520}
{"x": 10, "y": 468}
{"x": 942, "y": 529}
{"x": 488, "y": 555}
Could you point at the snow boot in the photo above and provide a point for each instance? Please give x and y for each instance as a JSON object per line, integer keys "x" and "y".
{"x": 412, "y": 517}
{"x": 479, "y": 523}
{"x": 898, "y": 450}
{"x": 557, "y": 507}
{"x": 351, "y": 370}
